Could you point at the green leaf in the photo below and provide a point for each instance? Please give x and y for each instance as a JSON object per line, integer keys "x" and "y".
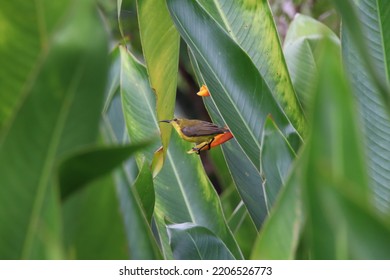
{"x": 375, "y": 11}
{"x": 303, "y": 38}
{"x": 160, "y": 44}
{"x": 157, "y": 161}
{"x": 248, "y": 186}
{"x": 342, "y": 226}
{"x": 138, "y": 108}
{"x": 230, "y": 199}
{"x": 144, "y": 187}
{"x": 183, "y": 191}
{"x": 20, "y": 64}
{"x": 185, "y": 194}
{"x": 57, "y": 111}
{"x": 251, "y": 25}
{"x": 87, "y": 165}
{"x": 141, "y": 243}
{"x": 280, "y": 234}
{"x": 335, "y": 135}
{"x": 243, "y": 228}
{"x": 277, "y": 157}
{"x": 113, "y": 126}
{"x": 87, "y": 216}
{"x": 335, "y": 160}
{"x": 241, "y": 95}
{"x": 221, "y": 169}
{"x": 375, "y": 119}
{"x": 304, "y": 27}
{"x": 119, "y": 7}
{"x": 368, "y": 234}
{"x": 192, "y": 242}
{"x": 112, "y": 89}
{"x": 248, "y": 181}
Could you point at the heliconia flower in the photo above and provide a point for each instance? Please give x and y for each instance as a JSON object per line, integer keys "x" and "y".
{"x": 204, "y": 91}
{"x": 218, "y": 140}
{"x": 221, "y": 138}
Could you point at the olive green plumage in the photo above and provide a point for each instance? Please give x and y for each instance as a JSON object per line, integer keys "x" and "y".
{"x": 196, "y": 131}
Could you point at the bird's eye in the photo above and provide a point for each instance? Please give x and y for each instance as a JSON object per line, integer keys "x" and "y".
{"x": 174, "y": 119}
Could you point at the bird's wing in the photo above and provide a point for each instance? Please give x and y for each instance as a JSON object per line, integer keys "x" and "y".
{"x": 203, "y": 129}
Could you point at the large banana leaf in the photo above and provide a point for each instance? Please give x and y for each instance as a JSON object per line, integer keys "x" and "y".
{"x": 277, "y": 157}
{"x": 301, "y": 45}
{"x": 243, "y": 228}
{"x": 251, "y": 25}
{"x": 192, "y": 242}
{"x": 342, "y": 226}
{"x": 245, "y": 175}
{"x": 137, "y": 105}
{"x": 375, "y": 116}
{"x": 372, "y": 13}
{"x": 280, "y": 234}
{"x": 335, "y": 175}
{"x": 160, "y": 44}
{"x": 87, "y": 165}
{"x": 222, "y": 171}
{"x": 242, "y": 96}
{"x": 145, "y": 189}
{"x": 183, "y": 191}
{"x": 141, "y": 243}
{"x": 87, "y": 215}
{"x": 58, "y": 109}
{"x": 19, "y": 62}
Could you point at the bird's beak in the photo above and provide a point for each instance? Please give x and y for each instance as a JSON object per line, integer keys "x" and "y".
{"x": 166, "y": 121}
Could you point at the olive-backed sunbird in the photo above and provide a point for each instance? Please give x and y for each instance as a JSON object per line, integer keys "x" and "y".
{"x": 196, "y": 131}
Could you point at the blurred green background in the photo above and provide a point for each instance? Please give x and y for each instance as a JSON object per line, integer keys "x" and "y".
{"x": 302, "y": 85}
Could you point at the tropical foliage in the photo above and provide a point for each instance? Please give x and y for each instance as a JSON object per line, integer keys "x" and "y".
{"x": 87, "y": 171}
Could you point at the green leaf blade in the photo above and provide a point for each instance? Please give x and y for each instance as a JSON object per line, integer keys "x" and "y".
{"x": 374, "y": 115}
{"x": 335, "y": 140}
{"x": 145, "y": 189}
{"x": 136, "y": 102}
{"x": 19, "y": 64}
{"x": 277, "y": 157}
{"x": 85, "y": 166}
{"x": 160, "y": 44}
{"x": 280, "y": 234}
{"x": 241, "y": 95}
{"x": 141, "y": 242}
{"x": 185, "y": 194}
{"x": 356, "y": 28}
{"x": 303, "y": 39}
{"x": 183, "y": 191}
{"x": 251, "y": 25}
{"x": 87, "y": 214}
{"x": 249, "y": 185}
{"x": 59, "y": 112}
{"x": 192, "y": 242}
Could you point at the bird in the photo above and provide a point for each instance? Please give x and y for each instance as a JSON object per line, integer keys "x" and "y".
{"x": 197, "y": 131}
